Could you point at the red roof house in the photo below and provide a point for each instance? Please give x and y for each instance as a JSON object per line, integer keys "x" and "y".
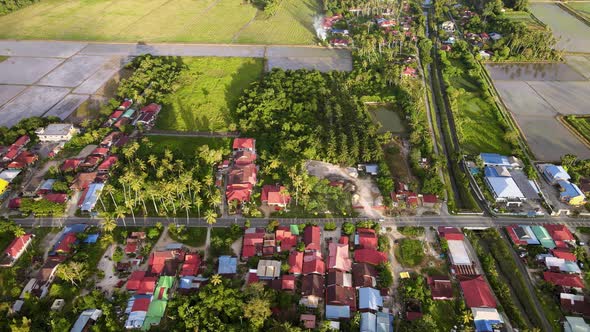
{"x": 477, "y": 293}
{"x": 313, "y": 263}
{"x": 244, "y": 157}
{"x": 559, "y": 233}
{"x": 311, "y": 238}
{"x": 440, "y": 288}
{"x": 134, "y": 280}
{"x": 564, "y": 253}
{"x": 70, "y": 165}
{"x": 244, "y": 144}
{"x": 275, "y": 195}
{"x": 190, "y": 267}
{"x": 409, "y": 72}
{"x": 130, "y": 247}
{"x": 65, "y": 244}
{"x": 296, "y": 262}
{"x": 99, "y": 152}
{"x": 450, "y": 233}
{"x": 370, "y": 256}
{"x": 511, "y": 230}
{"x": 286, "y": 239}
{"x": 147, "y": 285}
{"x": 106, "y": 165}
{"x": 18, "y": 246}
{"x": 83, "y": 180}
{"x": 338, "y": 257}
{"x": 126, "y": 104}
{"x": 563, "y": 280}
{"x": 157, "y": 260}
{"x": 56, "y": 198}
{"x": 141, "y": 304}
{"x": 238, "y": 192}
{"x": 288, "y": 282}
{"x": 367, "y": 239}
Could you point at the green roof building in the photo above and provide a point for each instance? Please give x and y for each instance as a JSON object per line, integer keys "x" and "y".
{"x": 543, "y": 237}
{"x": 159, "y": 301}
{"x": 294, "y": 229}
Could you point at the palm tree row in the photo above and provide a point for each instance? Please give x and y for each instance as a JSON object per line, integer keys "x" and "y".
{"x": 167, "y": 185}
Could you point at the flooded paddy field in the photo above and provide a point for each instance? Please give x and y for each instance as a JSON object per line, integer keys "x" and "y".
{"x": 537, "y": 94}
{"x": 573, "y": 35}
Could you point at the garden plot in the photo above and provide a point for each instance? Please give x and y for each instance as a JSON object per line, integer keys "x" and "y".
{"x": 573, "y": 35}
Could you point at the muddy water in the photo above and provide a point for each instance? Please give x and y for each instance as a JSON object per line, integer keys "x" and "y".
{"x": 534, "y": 72}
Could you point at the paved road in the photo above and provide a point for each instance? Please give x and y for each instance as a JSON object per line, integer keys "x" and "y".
{"x": 286, "y": 57}
{"x": 426, "y": 221}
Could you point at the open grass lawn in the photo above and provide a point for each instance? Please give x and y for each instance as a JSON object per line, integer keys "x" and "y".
{"x": 410, "y": 252}
{"x": 192, "y": 236}
{"x": 581, "y": 124}
{"x": 203, "y": 21}
{"x": 444, "y": 314}
{"x": 479, "y": 129}
{"x": 581, "y": 7}
{"x": 209, "y": 91}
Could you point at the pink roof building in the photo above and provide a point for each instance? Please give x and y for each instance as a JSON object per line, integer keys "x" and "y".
{"x": 311, "y": 238}
{"x": 338, "y": 257}
{"x": 370, "y": 256}
{"x": 243, "y": 144}
{"x": 275, "y": 195}
{"x": 296, "y": 262}
{"x": 18, "y": 246}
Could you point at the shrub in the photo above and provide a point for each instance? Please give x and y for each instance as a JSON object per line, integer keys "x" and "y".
{"x": 411, "y": 231}
{"x": 330, "y": 226}
{"x": 348, "y": 228}
{"x": 117, "y": 254}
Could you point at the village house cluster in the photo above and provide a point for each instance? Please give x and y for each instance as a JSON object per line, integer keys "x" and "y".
{"x": 90, "y": 169}
{"x": 339, "y": 284}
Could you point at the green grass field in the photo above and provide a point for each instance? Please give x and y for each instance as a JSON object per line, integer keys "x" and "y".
{"x": 209, "y": 90}
{"x": 524, "y": 17}
{"x": 479, "y": 129}
{"x": 581, "y": 7}
{"x": 581, "y": 124}
{"x": 203, "y": 21}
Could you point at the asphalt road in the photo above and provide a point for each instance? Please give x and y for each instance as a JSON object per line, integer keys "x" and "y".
{"x": 425, "y": 221}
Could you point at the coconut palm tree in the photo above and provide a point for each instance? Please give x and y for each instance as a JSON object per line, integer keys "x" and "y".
{"x": 108, "y": 222}
{"x": 216, "y": 280}
{"x": 198, "y": 204}
{"x": 121, "y": 212}
{"x": 186, "y": 204}
{"x": 211, "y": 217}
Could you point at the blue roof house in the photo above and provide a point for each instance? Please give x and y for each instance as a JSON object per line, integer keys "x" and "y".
{"x": 368, "y": 322}
{"x": 337, "y": 311}
{"x": 370, "y": 298}
{"x": 227, "y": 265}
{"x": 494, "y": 159}
{"x": 553, "y": 174}
{"x": 571, "y": 194}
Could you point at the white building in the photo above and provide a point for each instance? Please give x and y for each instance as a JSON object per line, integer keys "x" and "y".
{"x": 505, "y": 190}
{"x": 57, "y": 132}
{"x": 448, "y": 26}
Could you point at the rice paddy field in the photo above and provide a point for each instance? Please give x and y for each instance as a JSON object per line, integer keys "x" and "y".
{"x": 209, "y": 91}
{"x": 581, "y": 7}
{"x": 573, "y": 35}
{"x": 581, "y": 124}
{"x": 198, "y": 21}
